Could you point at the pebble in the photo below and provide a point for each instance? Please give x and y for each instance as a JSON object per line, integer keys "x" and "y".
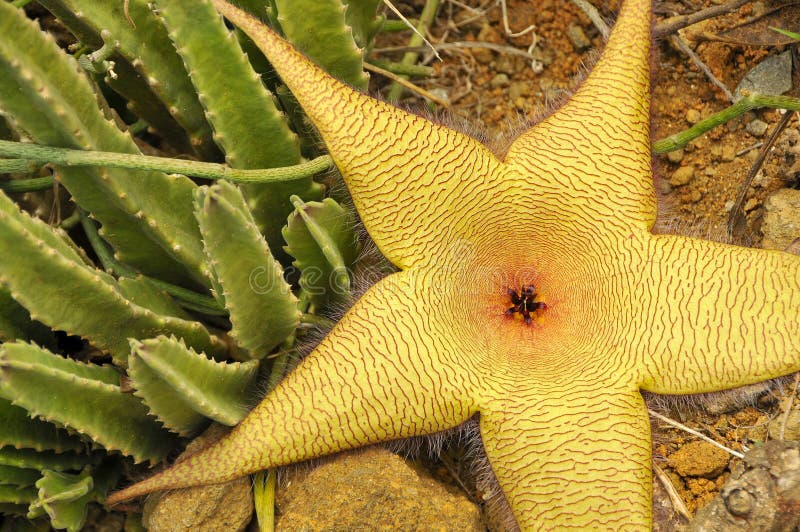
{"x": 371, "y": 489}
{"x": 676, "y": 156}
{"x": 728, "y": 153}
{"x": 682, "y": 176}
{"x": 693, "y": 116}
{"x": 578, "y": 38}
{"x": 499, "y": 80}
{"x": 519, "y": 89}
{"x": 757, "y": 127}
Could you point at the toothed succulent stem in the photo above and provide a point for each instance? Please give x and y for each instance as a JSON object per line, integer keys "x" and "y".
{"x": 409, "y": 58}
{"x": 69, "y": 157}
{"x": 748, "y": 102}
{"x": 25, "y": 185}
{"x": 188, "y": 298}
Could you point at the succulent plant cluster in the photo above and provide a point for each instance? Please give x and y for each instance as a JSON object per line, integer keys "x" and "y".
{"x": 150, "y": 306}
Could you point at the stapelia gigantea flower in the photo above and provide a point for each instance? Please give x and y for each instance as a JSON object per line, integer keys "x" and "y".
{"x": 554, "y": 371}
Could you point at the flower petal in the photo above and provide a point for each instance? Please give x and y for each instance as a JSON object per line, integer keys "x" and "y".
{"x": 598, "y": 143}
{"x": 372, "y": 379}
{"x": 409, "y": 177}
{"x": 733, "y": 320}
{"x": 575, "y": 456}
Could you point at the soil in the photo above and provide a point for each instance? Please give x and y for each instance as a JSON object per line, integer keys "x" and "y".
{"x": 499, "y": 92}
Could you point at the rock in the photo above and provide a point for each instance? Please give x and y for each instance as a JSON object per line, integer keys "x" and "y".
{"x": 500, "y": 80}
{"x": 218, "y": 507}
{"x": 781, "y": 219}
{"x": 762, "y": 494}
{"x": 699, "y": 459}
{"x": 519, "y": 89}
{"x": 506, "y": 64}
{"x": 578, "y": 38}
{"x": 728, "y": 153}
{"x": 757, "y": 127}
{"x": 675, "y": 157}
{"x": 372, "y": 489}
{"x": 226, "y": 506}
{"x": 792, "y": 428}
{"x": 693, "y": 116}
{"x": 773, "y": 75}
{"x": 682, "y": 176}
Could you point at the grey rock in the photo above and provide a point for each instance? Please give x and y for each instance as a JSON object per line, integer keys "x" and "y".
{"x": 757, "y": 127}
{"x": 773, "y": 75}
{"x": 762, "y": 494}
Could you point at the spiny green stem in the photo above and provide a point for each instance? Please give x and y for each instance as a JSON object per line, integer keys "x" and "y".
{"x": 748, "y": 103}
{"x": 395, "y": 26}
{"x": 10, "y": 166}
{"x": 67, "y": 157}
{"x": 27, "y": 185}
{"x": 188, "y": 299}
{"x": 71, "y": 221}
{"x": 409, "y": 58}
{"x": 403, "y": 69}
{"x": 102, "y": 249}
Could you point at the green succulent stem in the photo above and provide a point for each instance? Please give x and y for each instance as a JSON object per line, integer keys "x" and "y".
{"x": 749, "y": 102}
{"x": 10, "y": 166}
{"x": 264, "y": 498}
{"x": 188, "y": 299}
{"x": 26, "y": 185}
{"x": 68, "y": 157}
{"x": 396, "y": 26}
{"x": 402, "y": 69}
{"x": 409, "y": 58}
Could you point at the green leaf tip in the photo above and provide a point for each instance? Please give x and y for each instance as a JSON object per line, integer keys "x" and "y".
{"x": 321, "y": 238}
{"x": 262, "y": 308}
{"x": 184, "y": 388}
{"x": 83, "y": 397}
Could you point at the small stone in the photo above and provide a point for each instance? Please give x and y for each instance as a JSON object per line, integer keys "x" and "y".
{"x": 728, "y": 153}
{"x": 791, "y": 429}
{"x": 757, "y": 127}
{"x": 505, "y": 64}
{"x": 676, "y": 156}
{"x": 500, "y": 80}
{"x": 739, "y": 502}
{"x": 693, "y": 116}
{"x": 750, "y": 205}
{"x": 518, "y": 89}
{"x": 578, "y": 38}
{"x": 699, "y": 459}
{"x": 682, "y": 176}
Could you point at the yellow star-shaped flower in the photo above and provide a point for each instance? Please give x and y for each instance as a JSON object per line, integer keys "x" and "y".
{"x": 531, "y": 292}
